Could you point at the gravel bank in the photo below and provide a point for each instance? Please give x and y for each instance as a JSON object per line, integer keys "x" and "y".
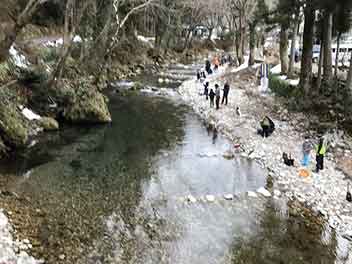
{"x": 324, "y": 193}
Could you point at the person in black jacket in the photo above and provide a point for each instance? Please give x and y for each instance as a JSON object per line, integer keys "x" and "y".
{"x": 225, "y": 93}
{"x": 208, "y": 67}
{"x": 211, "y": 96}
{"x": 206, "y": 90}
{"x": 198, "y": 75}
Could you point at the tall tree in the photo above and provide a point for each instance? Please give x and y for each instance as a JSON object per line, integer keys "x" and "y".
{"x": 342, "y": 24}
{"x": 327, "y": 46}
{"x": 307, "y": 52}
{"x": 259, "y": 16}
{"x": 296, "y": 20}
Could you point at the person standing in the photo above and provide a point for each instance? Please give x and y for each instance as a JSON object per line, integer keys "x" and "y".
{"x": 217, "y": 94}
{"x": 206, "y": 90}
{"x": 211, "y": 96}
{"x": 198, "y": 75}
{"x": 320, "y": 153}
{"x": 208, "y": 67}
{"x": 225, "y": 93}
{"x": 216, "y": 63}
{"x": 306, "y": 149}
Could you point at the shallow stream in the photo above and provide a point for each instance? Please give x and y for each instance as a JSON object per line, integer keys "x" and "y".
{"x": 117, "y": 193}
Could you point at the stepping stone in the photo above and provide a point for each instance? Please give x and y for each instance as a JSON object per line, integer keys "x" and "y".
{"x": 191, "y": 199}
{"x": 252, "y": 194}
{"x": 228, "y": 197}
{"x": 210, "y": 198}
{"x": 264, "y": 192}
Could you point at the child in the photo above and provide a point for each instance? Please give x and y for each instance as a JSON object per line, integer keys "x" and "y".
{"x": 306, "y": 149}
{"x": 198, "y": 75}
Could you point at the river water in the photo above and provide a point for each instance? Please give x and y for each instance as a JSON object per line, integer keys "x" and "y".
{"x": 118, "y": 193}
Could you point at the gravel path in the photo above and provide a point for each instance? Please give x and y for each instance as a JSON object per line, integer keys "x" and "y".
{"x": 324, "y": 192}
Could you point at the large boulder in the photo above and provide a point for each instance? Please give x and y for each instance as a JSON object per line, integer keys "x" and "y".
{"x": 13, "y": 127}
{"x": 86, "y": 104}
{"x": 48, "y": 124}
{"x": 88, "y": 109}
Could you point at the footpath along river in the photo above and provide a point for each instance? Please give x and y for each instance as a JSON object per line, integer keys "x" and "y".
{"x": 149, "y": 188}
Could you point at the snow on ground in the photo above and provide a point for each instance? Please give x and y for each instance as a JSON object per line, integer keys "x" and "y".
{"x": 29, "y": 114}
{"x": 12, "y": 251}
{"x": 277, "y": 70}
{"x": 325, "y": 192}
{"x": 58, "y": 42}
{"x": 148, "y": 41}
{"x": 19, "y": 60}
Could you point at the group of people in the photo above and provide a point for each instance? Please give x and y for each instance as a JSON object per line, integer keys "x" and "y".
{"x": 268, "y": 127}
{"x": 216, "y": 95}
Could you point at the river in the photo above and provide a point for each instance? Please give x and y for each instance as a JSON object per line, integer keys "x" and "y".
{"x": 118, "y": 193}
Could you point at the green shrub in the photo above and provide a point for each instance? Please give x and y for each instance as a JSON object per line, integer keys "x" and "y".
{"x": 7, "y": 70}
{"x": 280, "y": 87}
{"x": 49, "y": 55}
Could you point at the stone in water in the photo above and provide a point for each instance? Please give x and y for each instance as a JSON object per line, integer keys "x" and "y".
{"x": 252, "y": 194}
{"x": 228, "y": 196}
{"x": 210, "y": 198}
{"x": 264, "y": 192}
{"x": 190, "y": 198}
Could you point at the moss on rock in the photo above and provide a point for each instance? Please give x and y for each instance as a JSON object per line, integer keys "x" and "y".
{"x": 87, "y": 105}
{"x": 12, "y": 125}
{"x": 48, "y": 124}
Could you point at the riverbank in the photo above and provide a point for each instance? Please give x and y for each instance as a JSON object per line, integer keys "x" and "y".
{"x": 324, "y": 193}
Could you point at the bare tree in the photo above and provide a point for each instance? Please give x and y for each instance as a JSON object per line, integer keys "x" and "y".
{"x": 244, "y": 10}
{"x": 19, "y": 22}
{"x": 74, "y": 12}
{"x": 214, "y": 13}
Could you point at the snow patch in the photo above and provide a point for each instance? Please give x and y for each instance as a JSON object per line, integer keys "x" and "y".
{"x": 264, "y": 192}
{"x": 19, "y": 59}
{"x": 29, "y": 114}
{"x": 276, "y": 69}
{"x": 243, "y": 66}
{"x": 146, "y": 40}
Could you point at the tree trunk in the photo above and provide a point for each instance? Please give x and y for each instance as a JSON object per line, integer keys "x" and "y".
{"x": 320, "y": 65}
{"x": 337, "y": 54}
{"x": 307, "y": 53}
{"x": 327, "y": 48}
{"x": 210, "y": 33}
{"x": 251, "y": 44}
{"x": 240, "y": 53}
{"x": 283, "y": 49}
{"x": 349, "y": 76}
{"x": 293, "y": 49}
{"x": 187, "y": 40}
{"x": 237, "y": 45}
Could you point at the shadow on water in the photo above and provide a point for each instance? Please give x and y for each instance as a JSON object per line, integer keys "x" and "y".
{"x": 116, "y": 194}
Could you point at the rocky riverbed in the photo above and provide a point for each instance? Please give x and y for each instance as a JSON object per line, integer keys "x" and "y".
{"x": 324, "y": 193}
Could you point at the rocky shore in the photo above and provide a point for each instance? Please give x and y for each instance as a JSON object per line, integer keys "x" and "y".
{"x": 324, "y": 193}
